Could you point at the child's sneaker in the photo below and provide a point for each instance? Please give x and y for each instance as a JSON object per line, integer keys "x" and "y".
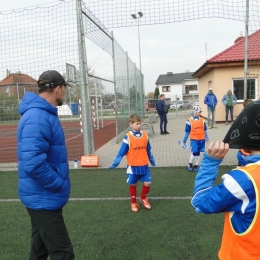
{"x": 190, "y": 168}
{"x": 135, "y": 207}
{"x": 196, "y": 168}
{"x": 145, "y": 203}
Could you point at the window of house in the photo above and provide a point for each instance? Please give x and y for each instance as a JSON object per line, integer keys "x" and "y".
{"x": 210, "y": 84}
{"x": 193, "y": 87}
{"x": 238, "y": 86}
{"x": 166, "y": 88}
{"x": 189, "y": 88}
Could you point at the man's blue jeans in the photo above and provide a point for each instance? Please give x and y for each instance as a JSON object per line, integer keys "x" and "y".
{"x": 229, "y": 108}
{"x": 163, "y": 122}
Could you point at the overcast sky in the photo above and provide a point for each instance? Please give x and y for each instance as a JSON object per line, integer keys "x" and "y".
{"x": 174, "y": 47}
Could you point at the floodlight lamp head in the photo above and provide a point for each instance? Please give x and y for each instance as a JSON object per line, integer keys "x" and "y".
{"x": 140, "y": 14}
{"x": 134, "y": 16}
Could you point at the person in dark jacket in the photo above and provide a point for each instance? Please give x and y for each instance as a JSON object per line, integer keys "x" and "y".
{"x": 43, "y": 170}
{"x": 211, "y": 101}
{"x": 162, "y": 111}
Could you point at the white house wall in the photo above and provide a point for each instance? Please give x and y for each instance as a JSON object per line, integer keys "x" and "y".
{"x": 191, "y": 82}
{"x": 175, "y": 91}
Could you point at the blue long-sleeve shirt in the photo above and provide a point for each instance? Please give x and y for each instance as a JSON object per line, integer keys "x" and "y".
{"x": 235, "y": 194}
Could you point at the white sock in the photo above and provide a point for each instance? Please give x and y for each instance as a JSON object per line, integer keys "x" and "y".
{"x": 191, "y": 158}
{"x": 196, "y": 160}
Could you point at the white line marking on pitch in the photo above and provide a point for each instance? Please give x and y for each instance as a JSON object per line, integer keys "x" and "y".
{"x": 110, "y": 198}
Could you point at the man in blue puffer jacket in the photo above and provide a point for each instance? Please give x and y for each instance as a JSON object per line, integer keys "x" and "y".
{"x": 211, "y": 101}
{"x": 44, "y": 182}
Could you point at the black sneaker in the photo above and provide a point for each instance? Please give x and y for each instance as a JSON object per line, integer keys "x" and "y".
{"x": 163, "y": 133}
{"x": 166, "y": 132}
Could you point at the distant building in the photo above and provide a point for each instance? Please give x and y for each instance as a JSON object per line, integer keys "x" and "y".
{"x": 17, "y": 84}
{"x": 226, "y": 71}
{"x": 180, "y": 86}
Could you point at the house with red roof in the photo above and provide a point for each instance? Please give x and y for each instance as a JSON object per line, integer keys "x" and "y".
{"x": 17, "y": 84}
{"x": 226, "y": 71}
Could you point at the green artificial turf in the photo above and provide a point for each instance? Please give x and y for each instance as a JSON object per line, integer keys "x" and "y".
{"x": 107, "y": 229}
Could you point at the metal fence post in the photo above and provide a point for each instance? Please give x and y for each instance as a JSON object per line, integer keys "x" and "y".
{"x": 114, "y": 72}
{"x": 128, "y": 85}
{"x": 101, "y": 102}
{"x": 136, "y": 107}
{"x": 84, "y": 90}
{"x": 246, "y": 49}
{"x": 96, "y": 101}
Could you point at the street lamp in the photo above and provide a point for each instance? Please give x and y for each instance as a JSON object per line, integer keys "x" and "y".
{"x": 140, "y": 15}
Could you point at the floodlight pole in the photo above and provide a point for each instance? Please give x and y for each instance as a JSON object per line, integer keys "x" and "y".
{"x": 141, "y": 78}
{"x": 246, "y": 50}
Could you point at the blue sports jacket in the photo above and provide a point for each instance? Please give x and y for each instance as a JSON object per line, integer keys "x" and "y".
{"x": 236, "y": 194}
{"x": 210, "y": 100}
{"x": 43, "y": 170}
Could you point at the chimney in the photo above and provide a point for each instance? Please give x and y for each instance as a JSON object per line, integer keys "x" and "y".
{"x": 18, "y": 72}
{"x": 7, "y": 73}
{"x": 169, "y": 73}
{"x": 239, "y": 38}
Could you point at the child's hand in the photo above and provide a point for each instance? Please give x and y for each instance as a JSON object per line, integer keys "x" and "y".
{"x": 113, "y": 165}
{"x": 219, "y": 150}
{"x": 116, "y": 162}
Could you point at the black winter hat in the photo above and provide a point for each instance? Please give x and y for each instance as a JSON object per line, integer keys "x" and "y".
{"x": 245, "y": 131}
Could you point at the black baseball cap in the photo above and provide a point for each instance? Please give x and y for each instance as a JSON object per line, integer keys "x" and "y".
{"x": 51, "y": 79}
{"x": 245, "y": 131}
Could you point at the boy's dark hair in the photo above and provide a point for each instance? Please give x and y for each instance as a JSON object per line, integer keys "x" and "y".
{"x": 134, "y": 118}
{"x": 247, "y": 102}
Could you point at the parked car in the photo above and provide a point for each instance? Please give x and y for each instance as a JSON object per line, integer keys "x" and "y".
{"x": 195, "y": 103}
{"x": 168, "y": 103}
{"x": 180, "y": 104}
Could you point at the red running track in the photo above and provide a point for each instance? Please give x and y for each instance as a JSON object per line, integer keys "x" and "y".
{"x": 73, "y": 135}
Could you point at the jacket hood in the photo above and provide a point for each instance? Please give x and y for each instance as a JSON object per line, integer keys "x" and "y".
{"x": 252, "y": 158}
{"x": 32, "y": 100}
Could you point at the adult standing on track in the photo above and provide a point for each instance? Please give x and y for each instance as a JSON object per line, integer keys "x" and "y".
{"x": 229, "y": 100}
{"x": 43, "y": 170}
{"x": 162, "y": 111}
{"x": 211, "y": 101}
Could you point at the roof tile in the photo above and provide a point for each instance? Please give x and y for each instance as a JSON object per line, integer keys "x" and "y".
{"x": 236, "y": 51}
{"x": 19, "y": 78}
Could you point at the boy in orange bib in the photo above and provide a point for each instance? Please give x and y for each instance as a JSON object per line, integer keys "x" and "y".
{"x": 238, "y": 195}
{"x": 197, "y": 130}
{"x": 137, "y": 149}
